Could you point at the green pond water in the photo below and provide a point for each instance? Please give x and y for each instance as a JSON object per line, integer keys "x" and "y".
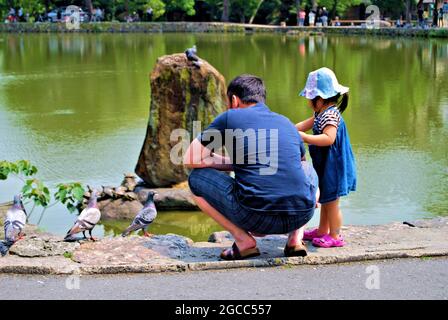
{"x": 77, "y": 107}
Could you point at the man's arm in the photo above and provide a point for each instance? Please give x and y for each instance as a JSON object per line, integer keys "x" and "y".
{"x": 325, "y": 139}
{"x": 198, "y": 156}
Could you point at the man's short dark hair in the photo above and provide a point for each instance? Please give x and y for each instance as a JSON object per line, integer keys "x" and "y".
{"x": 250, "y": 89}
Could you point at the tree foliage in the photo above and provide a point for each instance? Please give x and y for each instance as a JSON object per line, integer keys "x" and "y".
{"x": 256, "y": 11}
{"x": 186, "y": 6}
{"x": 158, "y": 7}
{"x": 338, "y": 7}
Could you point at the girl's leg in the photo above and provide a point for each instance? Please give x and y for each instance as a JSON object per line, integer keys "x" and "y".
{"x": 324, "y": 226}
{"x": 334, "y": 218}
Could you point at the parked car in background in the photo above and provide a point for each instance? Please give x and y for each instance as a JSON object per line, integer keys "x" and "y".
{"x": 52, "y": 16}
{"x": 61, "y": 15}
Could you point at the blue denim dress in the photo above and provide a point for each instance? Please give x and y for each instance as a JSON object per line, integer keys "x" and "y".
{"x": 335, "y": 164}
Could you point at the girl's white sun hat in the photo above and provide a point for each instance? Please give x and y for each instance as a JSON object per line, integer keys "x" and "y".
{"x": 322, "y": 83}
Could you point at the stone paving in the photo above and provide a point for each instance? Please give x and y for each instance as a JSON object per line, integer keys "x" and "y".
{"x": 47, "y": 254}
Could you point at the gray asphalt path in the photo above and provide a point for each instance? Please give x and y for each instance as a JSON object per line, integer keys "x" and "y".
{"x": 390, "y": 279}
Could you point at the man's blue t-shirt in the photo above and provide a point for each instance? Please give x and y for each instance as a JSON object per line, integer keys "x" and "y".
{"x": 266, "y": 151}
{"x": 445, "y": 8}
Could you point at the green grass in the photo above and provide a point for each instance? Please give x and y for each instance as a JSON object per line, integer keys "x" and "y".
{"x": 288, "y": 266}
{"x": 438, "y": 33}
{"x": 425, "y": 258}
{"x": 68, "y": 255}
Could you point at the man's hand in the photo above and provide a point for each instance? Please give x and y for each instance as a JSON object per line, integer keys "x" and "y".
{"x": 198, "y": 156}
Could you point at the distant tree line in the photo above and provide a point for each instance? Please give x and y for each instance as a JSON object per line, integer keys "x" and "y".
{"x": 246, "y": 11}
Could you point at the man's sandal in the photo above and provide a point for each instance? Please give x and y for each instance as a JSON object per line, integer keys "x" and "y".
{"x": 298, "y": 250}
{"x": 236, "y": 254}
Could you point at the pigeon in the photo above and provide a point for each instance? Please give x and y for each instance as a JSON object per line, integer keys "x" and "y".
{"x": 144, "y": 218}
{"x": 191, "y": 54}
{"x": 14, "y": 223}
{"x": 87, "y": 220}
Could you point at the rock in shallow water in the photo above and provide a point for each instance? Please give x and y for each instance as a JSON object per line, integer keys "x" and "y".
{"x": 129, "y": 182}
{"x": 168, "y": 198}
{"x": 126, "y": 208}
{"x": 180, "y": 94}
{"x": 220, "y": 237}
{"x": 119, "y": 209}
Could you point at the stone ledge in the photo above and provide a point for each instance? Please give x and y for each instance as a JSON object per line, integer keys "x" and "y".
{"x": 73, "y": 268}
{"x": 173, "y": 253}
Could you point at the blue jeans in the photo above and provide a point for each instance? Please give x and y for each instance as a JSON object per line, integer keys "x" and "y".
{"x": 218, "y": 189}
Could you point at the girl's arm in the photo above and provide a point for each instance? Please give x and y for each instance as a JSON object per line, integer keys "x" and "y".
{"x": 305, "y": 125}
{"x": 325, "y": 139}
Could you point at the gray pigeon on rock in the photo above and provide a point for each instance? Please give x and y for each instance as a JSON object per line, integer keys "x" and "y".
{"x": 15, "y": 221}
{"x": 87, "y": 220}
{"x": 144, "y": 218}
{"x": 191, "y": 54}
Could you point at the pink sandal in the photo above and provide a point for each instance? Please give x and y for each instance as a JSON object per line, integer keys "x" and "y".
{"x": 327, "y": 241}
{"x": 311, "y": 234}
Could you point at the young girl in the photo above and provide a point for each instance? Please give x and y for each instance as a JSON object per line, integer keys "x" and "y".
{"x": 330, "y": 151}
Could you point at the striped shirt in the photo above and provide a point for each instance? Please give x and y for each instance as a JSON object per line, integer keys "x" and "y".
{"x": 330, "y": 117}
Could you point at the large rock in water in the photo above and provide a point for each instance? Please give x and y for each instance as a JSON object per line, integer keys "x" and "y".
{"x": 180, "y": 94}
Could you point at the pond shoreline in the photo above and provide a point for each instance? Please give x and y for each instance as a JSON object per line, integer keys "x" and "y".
{"x": 45, "y": 254}
{"x": 216, "y": 27}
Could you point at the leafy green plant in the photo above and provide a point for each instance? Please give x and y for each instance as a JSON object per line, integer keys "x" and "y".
{"x": 17, "y": 168}
{"x": 34, "y": 190}
{"x": 69, "y": 194}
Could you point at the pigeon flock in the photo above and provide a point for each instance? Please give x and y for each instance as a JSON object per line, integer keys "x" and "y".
{"x": 16, "y": 219}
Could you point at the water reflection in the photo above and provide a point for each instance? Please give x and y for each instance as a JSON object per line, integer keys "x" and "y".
{"x": 77, "y": 106}
{"x": 194, "y": 225}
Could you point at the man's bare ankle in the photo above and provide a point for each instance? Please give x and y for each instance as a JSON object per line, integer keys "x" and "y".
{"x": 294, "y": 241}
{"x": 245, "y": 238}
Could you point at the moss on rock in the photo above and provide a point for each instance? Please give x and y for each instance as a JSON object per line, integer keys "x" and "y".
{"x": 181, "y": 94}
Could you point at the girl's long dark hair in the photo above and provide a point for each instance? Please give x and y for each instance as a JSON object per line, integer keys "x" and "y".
{"x": 341, "y": 101}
